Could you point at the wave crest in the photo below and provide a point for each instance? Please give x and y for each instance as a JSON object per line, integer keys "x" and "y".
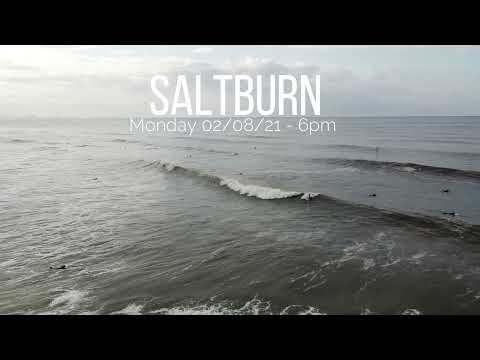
{"x": 261, "y": 192}
{"x": 258, "y": 191}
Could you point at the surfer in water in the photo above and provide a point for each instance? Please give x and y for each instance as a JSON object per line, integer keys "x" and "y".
{"x": 61, "y": 267}
{"x": 451, "y": 213}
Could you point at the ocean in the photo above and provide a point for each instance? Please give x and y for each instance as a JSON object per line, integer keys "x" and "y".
{"x": 381, "y": 216}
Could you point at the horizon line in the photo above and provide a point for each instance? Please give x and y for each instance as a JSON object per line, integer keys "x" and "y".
{"x": 127, "y": 117}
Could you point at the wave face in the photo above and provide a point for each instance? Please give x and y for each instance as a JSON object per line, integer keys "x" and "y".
{"x": 261, "y": 192}
{"x": 468, "y": 232}
{"x": 204, "y": 231}
{"x": 257, "y": 191}
{"x": 400, "y": 166}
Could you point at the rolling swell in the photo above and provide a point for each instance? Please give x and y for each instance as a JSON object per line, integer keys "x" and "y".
{"x": 15, "y": 140}
{"x": 399, "y": 166}
{"x": 260, "y": 192}
{"x": 466, "y": 232}
{"x": 352, "y": 147}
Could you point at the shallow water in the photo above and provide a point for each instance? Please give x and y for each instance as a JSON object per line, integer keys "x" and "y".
{"x": 216, "y": 224}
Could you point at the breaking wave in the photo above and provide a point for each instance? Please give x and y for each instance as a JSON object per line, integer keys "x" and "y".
{"x": 66, "y": 302}
{"x": 253, "y": 306}
{"x": 260, "y": 192}
{"x": 131, "y": 309}
{"x": 465, "y": 231}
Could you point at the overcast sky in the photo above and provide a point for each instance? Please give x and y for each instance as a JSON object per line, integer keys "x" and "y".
{"x": 70, "y": 81}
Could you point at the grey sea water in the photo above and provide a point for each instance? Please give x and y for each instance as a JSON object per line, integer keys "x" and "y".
{"x": 216, "y": 223}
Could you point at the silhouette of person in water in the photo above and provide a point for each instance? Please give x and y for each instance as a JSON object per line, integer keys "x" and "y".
{"x": 61, "y": 267}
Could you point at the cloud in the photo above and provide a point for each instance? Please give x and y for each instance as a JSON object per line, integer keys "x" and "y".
{"x": 202, "y": 50}
{"x": 84, "y": 47}
{"x": 62, "y": 61}
{"x": 63, "y": 81}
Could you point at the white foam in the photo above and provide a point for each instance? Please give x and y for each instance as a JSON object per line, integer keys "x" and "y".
{"x": 195, "y": 310}
{"x": 411, "y": 312}
{"x": 71, "y": 297}
{"x": 254, "y": 306}
{"x": 67, "y": 301}
{"x": 419, "y": 255}
{"x": 368, "y": 263}
{"x": 301, "y": 310}
{"x": 131, "y": 309}
{"x": 309, "y": 274}
{"x": 408, "y": 169}
{"x": 261, "y": 192}
{"x": 311, "y": 311}
{"x": 380, "y": 236}
{"x": 391, "y": 263}
{"x": 309, "y": 196}
{"x": 94, "y": 312}
{"x": 416, "y": 258}
{"x": 169, "y": 167}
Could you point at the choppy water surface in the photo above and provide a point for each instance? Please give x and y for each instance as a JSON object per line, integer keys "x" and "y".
{"x": 219, "y": 224}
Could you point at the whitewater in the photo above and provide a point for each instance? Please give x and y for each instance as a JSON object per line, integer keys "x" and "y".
{"x": 96, "y": 220}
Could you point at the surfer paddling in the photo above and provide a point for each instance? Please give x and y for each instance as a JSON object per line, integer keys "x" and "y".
{"x": 61, "y": 267}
